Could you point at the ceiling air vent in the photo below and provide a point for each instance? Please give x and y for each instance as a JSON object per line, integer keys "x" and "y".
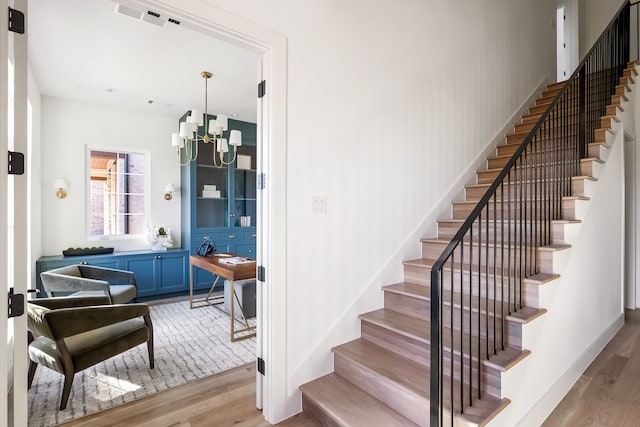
{"x": 148, "y": 16}
{"x": 154, "y": 18}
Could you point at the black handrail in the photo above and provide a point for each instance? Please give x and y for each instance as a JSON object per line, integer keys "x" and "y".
{"x": 534, "y": 181}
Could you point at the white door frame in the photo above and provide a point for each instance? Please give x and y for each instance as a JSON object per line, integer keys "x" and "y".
{"x": 278, "y": 401}
{"x": 5, "y": 363}
{"x": 14, "y": 255}
{"x": 567, "y": 39}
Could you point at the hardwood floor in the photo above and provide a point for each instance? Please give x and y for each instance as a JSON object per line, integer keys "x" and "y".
{"x": 608, "y": 392}
{"x": 227, "y": 399}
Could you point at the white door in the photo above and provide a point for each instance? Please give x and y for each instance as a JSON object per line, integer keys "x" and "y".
{"x": 562, "y": 57}
{"x": 14, "y": 264}
{"x": 260, "y": 253}
{"x": 567, "y": 36}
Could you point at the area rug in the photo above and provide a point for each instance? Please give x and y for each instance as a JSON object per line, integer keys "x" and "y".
{"x": 189, "y": 345}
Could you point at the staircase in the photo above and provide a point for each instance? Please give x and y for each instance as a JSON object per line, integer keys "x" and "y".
{"x": 488, "y": 284}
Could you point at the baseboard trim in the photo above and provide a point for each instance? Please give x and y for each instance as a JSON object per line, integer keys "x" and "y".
{"x": 543, "y": 407}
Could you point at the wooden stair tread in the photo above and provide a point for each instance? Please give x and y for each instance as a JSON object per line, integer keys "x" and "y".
{"x": 403, "y": 324}
{"x": 419, "y": 330}
{"x": 526, "y": 181}
{"x": 428, "y": 263}
{"x": 524, "y": 314}
{"x": 348, "y": 405}
{"x": 388, "y": 365}
{"x": 491, "y": 243}
{"x": 508, "y": 156}
{"x": 506, "y": 359}
{"x": 554, "y": 247}
{"x": 483, "y": 411}
{"x": 408, "y": 289}
{"x": 541, "y": 278}
{"x": 517, "y": 201}
{"x": 512, "y": 221}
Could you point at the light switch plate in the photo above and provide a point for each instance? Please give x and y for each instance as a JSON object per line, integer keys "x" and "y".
{"x": 319, "y": 205}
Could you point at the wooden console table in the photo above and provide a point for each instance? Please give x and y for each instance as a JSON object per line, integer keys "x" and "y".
{"x": 231, "y": 272}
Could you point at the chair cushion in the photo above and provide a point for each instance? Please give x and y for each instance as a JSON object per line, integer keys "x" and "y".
{"x": 91, "y": 347}
{"x": 121, "y": 294}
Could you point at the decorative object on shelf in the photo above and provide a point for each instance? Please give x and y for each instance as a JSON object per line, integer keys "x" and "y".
{"x": 100, "y": 250}
{"x": 245, "y": 221}
{"x": 244, "y": 161}
{"x": 188, "y": 137}
{"x": 160, "y": 238}
{"x": 60, "y": 185}
{"x": 168, "y": 192}
{"x": 210, "y": 192}
{"x": 207, "y": 247}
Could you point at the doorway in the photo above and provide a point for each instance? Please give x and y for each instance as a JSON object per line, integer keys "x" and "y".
{"x": 271, "y": 245}
{"x": 567, "y": 36}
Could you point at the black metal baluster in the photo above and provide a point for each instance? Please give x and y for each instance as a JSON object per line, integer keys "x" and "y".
{"x": 451, "y": 336}
{"x": 461, "y": 327}
{"x": 470, "y": 314}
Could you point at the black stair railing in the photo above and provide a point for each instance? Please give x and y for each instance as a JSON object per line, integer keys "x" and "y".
{"x": 478, "y": 280}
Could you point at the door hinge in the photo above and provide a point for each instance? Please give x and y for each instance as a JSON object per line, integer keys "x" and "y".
{"x": 261, "y": 273}
{"x": 262, "y": 181}
{"x": 262, "y": 89}
{"x": 260, "y": 365}
{"x": 16, "y": 21}
{"x": 15, "y": 163}
{"x": 16, "y": 304}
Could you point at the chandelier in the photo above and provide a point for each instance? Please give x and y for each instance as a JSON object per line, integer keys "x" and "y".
{"x": 199, "y": 128}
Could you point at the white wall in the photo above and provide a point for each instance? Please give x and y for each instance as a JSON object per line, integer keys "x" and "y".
{"x": 595, "y": 15}
{"x": 67, "y": 128}
{"x": 388, "y": 103}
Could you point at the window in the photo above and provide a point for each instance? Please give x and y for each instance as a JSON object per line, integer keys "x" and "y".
{"x": 116, "y": 193}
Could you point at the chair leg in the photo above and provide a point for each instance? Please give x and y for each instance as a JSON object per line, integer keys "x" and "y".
{"x": 151, "y": 357}
{"x": 149, "y": 323}
{"x": 32, "y": 373}
{"x": 66, "y": 390}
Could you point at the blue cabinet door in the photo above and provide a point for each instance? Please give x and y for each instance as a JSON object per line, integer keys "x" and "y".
{"x": 144, "y": 268}
{"x": 172, "y": 272}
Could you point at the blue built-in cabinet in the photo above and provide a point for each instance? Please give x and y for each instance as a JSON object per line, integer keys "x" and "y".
{"x": 219, "y": 218}
{"x": 157, "y": 273}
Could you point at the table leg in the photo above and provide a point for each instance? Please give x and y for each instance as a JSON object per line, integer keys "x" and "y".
{"x": 234, "y": 298}
{"x": 208, "y": 300}
{"x": 190, "y": 285}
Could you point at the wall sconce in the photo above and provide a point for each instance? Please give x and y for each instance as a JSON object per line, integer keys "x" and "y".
{"x": 60, "y": 185}
{"x": 168, "y": 192}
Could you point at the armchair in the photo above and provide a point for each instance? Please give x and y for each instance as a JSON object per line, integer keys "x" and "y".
{"x": 71, "y": 334}
{"x": 88, "y": 280}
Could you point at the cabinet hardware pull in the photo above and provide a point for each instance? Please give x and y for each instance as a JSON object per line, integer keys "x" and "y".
{"x": 158, "y": 257}
{"x": 232, "y": 236}
{"x": 84, "y": 263}
{"x": 207, "y": 237}
{"x": 253, "y": 235}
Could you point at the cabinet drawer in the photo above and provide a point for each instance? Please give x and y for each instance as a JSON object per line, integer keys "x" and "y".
{"x": 249, "y": 235}
{"x": 246, "y": 249}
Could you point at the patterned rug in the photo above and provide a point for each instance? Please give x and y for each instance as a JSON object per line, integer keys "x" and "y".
{"x": 189, "y": 345}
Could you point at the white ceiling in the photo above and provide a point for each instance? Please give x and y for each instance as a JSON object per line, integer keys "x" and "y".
{"x": 82, "y": 50}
